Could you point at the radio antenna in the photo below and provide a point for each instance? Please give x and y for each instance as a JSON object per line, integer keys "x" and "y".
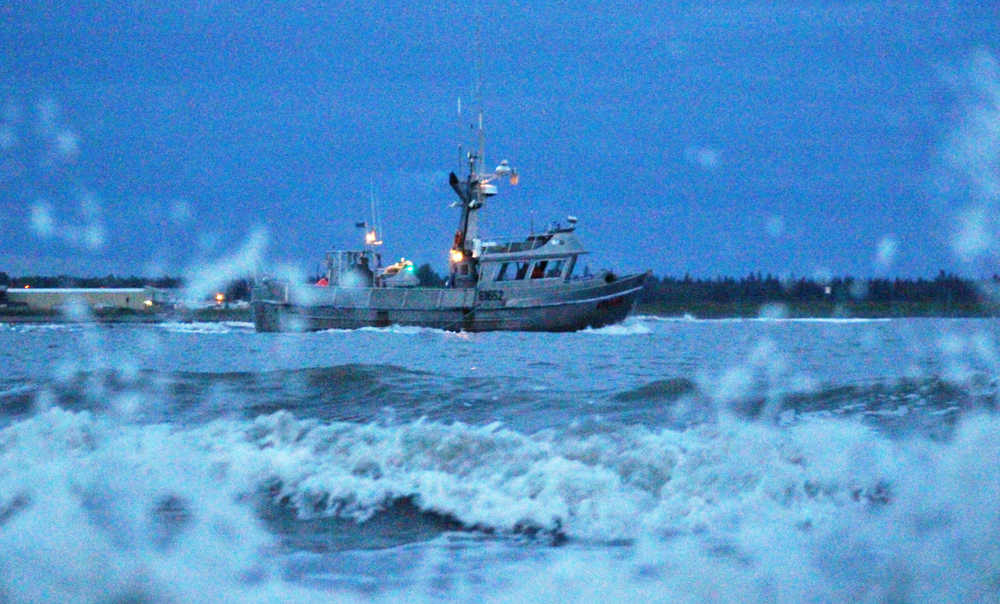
{"x": 479, "y": 85}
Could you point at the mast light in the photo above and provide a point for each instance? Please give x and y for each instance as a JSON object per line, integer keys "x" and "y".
{"x": 504, "y": 169}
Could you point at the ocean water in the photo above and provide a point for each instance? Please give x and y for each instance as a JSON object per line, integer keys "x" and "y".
{"x": 657, "y": 460}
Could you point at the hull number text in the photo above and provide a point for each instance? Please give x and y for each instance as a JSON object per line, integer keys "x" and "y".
{"x": 491, "y": 295}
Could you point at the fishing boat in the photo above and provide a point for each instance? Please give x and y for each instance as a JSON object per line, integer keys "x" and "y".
{"x": 526, "y": 284}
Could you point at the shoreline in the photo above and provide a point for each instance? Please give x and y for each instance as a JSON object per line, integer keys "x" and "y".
{"x": 125, "y": 316}
{"x": 733, "y": 310}
{"x": 821, "y": 310}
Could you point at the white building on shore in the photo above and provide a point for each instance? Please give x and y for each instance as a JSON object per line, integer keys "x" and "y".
{"x": 135, "y": 298}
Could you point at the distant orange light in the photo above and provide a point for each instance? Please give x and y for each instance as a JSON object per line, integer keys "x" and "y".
{"x": 220, "y": 298}
{"x": 27, "y": 287}
{"x": 456, "y": 256}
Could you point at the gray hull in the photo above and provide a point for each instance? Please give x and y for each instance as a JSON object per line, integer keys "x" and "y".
{"x": 567, "y": 306}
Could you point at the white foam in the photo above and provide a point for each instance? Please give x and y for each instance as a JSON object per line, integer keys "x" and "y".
{"x": 632, "y": 326}
{"x": 691, "y": 319}
{"x": 735, "y": 510}
{"x": 82, "y": 494}
{"x": 45, "y": 327}
{"x": 750, "y": 486}
{"x": 662, "y": 319}
{"x": 206, "y": 326}
{"x": 406, "y": 330}
{"x": 834, "y": 320}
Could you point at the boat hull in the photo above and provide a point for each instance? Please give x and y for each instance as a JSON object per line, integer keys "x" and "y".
{"x": 568, "y": 306}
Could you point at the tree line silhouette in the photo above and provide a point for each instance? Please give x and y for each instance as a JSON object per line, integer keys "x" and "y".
{"x": 760, "y": 289}
{"x": 106, "y": 281}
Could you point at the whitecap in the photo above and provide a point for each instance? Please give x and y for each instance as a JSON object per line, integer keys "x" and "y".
{"x": 818, "y": 510}
{"x": 630, "y": 327}
{"x": 206, "y": 327}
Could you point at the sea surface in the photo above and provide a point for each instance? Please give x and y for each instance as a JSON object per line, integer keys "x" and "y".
{"x": 657, "y": 460}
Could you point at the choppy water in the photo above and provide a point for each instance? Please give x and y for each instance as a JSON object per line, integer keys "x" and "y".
{"x": 661, "y": 460}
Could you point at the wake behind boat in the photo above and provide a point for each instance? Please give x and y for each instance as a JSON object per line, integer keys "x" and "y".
{"x": 523, "y": 285}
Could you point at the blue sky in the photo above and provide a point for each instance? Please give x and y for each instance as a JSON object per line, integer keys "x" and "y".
{"x": 806, "y": 138}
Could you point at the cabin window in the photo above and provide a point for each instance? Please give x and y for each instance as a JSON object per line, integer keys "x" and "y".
{"x": 502, "y": 273}
{"x": 522, "y": 269}
{"x": 555, "y": 268}
{"x": 572, "y": 265}
{"x": 539, "y": 271}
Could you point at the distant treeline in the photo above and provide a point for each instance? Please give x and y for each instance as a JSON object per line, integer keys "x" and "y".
{"x": 106, "y": 281}
{"x": 761, "y": 289}
{"x": 944, "y": 295}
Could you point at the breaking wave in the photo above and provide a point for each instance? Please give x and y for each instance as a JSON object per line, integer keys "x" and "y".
{"x": 825, "y": 508}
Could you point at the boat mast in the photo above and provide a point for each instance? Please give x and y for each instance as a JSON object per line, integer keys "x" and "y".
{"x": 372, "y": 230}
{"x": 473, "y": 192}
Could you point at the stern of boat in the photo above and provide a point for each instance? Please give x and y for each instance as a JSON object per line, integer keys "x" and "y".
{"x": 268, "y": 299}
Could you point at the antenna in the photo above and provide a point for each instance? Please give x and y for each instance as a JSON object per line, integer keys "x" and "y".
{"x": 479, "y": 86}
{"x": 371, "y": 197}
{"x": 461, "y": 135}
{"x": 372, "y": 236}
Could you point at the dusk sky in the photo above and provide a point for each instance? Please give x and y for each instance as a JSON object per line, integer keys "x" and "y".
{"x": 710, "y": 138}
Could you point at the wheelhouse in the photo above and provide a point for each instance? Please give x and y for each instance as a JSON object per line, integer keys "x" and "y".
{"x": 539, "y": 258}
